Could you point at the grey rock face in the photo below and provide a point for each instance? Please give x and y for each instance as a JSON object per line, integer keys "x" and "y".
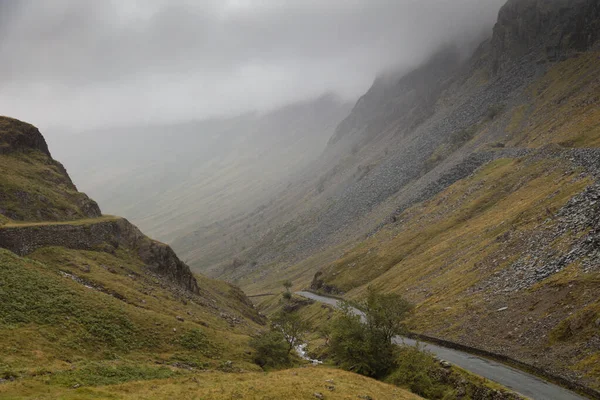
{"x": 547, "y": 28}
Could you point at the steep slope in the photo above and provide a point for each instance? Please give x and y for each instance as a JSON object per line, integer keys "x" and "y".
{"x": 469, "y": 186}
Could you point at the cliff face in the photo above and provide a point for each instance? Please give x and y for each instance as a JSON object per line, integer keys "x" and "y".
{"x": 557, "y": 28}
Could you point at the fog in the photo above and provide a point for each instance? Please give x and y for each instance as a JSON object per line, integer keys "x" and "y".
{"x": 86, "y": 64}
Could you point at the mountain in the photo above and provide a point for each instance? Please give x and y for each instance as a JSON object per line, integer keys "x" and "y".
{"x": 169, "y": 179}
{"x": 468, "y": 185}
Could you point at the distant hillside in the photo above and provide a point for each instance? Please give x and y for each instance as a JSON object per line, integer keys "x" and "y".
{"x": 470, "y": 186}
{"x": 170, "y": 179}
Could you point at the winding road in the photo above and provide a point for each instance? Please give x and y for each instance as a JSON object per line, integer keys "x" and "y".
{"x": 519, "y": 381}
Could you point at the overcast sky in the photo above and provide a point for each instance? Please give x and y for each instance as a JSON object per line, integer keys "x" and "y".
{"x": 90, "y": 63}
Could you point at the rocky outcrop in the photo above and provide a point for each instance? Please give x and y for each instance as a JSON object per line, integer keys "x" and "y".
{"x": 104, "y": 235}
{"x": 18, "y": 136}
{"x": 550, "y": 28}
{"x": 34, "y": 186}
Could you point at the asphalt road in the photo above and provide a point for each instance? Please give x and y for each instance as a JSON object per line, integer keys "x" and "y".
{"x": 521, "y": 382}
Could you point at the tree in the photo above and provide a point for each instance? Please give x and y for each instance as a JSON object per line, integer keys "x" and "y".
{"x": 385, "y": 312}
{"x": 364, "y": 345}
{"x": 287, "y": 285}
{"x": 291, "y": 326}
{"x": 270, "y": 350}
{"x": 287, "y": 294}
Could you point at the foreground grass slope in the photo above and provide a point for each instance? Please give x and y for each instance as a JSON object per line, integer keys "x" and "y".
{"x": 67, "y": 314}
{"x": 301, "y": 383}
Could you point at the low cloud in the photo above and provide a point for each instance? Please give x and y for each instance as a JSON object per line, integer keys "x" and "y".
{"x": 83, "y": 64}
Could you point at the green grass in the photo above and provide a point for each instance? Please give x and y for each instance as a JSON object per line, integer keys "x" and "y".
{"x": 77, "y": 222}
{"x": 300, "y": 383}
{"x": 118, "y": 327}
{"x": 102, "y": 374}
{"x": 33, "y": 187}
{"x": 563, "y": 108}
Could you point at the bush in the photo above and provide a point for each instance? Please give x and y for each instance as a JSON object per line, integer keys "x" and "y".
{"x": 96, "y": 374}
{"x": 193, "y": 340}
{"x": 367, "y": 348}
{"x": 416, "y": 370}
{"x": 271, "y": 350}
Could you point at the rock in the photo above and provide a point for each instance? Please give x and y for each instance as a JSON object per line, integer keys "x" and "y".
{"x": 502, "y": 309}
{"x": 598, "y": 323}
{"x": 179, "y": 318}
{"x": 318, "y": 395}
{"x": 75, "y": 386}
{"x": 445, "y": 364}
{"x": 365, "y": 397}
{"x": 330, "y": 387}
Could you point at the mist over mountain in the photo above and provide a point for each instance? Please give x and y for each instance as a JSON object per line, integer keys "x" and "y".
{"x": 172, "y": 178}
{"x": 122, "y": 63}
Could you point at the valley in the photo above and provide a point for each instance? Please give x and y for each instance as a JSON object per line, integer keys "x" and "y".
{"x": 455, "y": 201}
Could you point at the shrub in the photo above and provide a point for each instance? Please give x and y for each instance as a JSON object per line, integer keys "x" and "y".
{"x": 193, "y": 340}
{"x": 271, "y": 350}
{"x": 367, "y": 348}
{"x": 96, "y": 374}
{"x": 416, "y": 371}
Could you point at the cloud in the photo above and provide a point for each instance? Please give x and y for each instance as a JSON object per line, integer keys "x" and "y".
{"x": 88, "y": 63}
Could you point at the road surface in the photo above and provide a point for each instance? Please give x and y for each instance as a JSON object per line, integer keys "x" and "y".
{"x": 521, "y": 382}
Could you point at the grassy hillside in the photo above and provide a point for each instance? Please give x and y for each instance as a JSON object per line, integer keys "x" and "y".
{"x": 562, "y": 107}
{"x": 68, "y": 314}
{"x": 302, "y": 383}
{"x": 79, "y": 325}
{"x": 33, "y": 186}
